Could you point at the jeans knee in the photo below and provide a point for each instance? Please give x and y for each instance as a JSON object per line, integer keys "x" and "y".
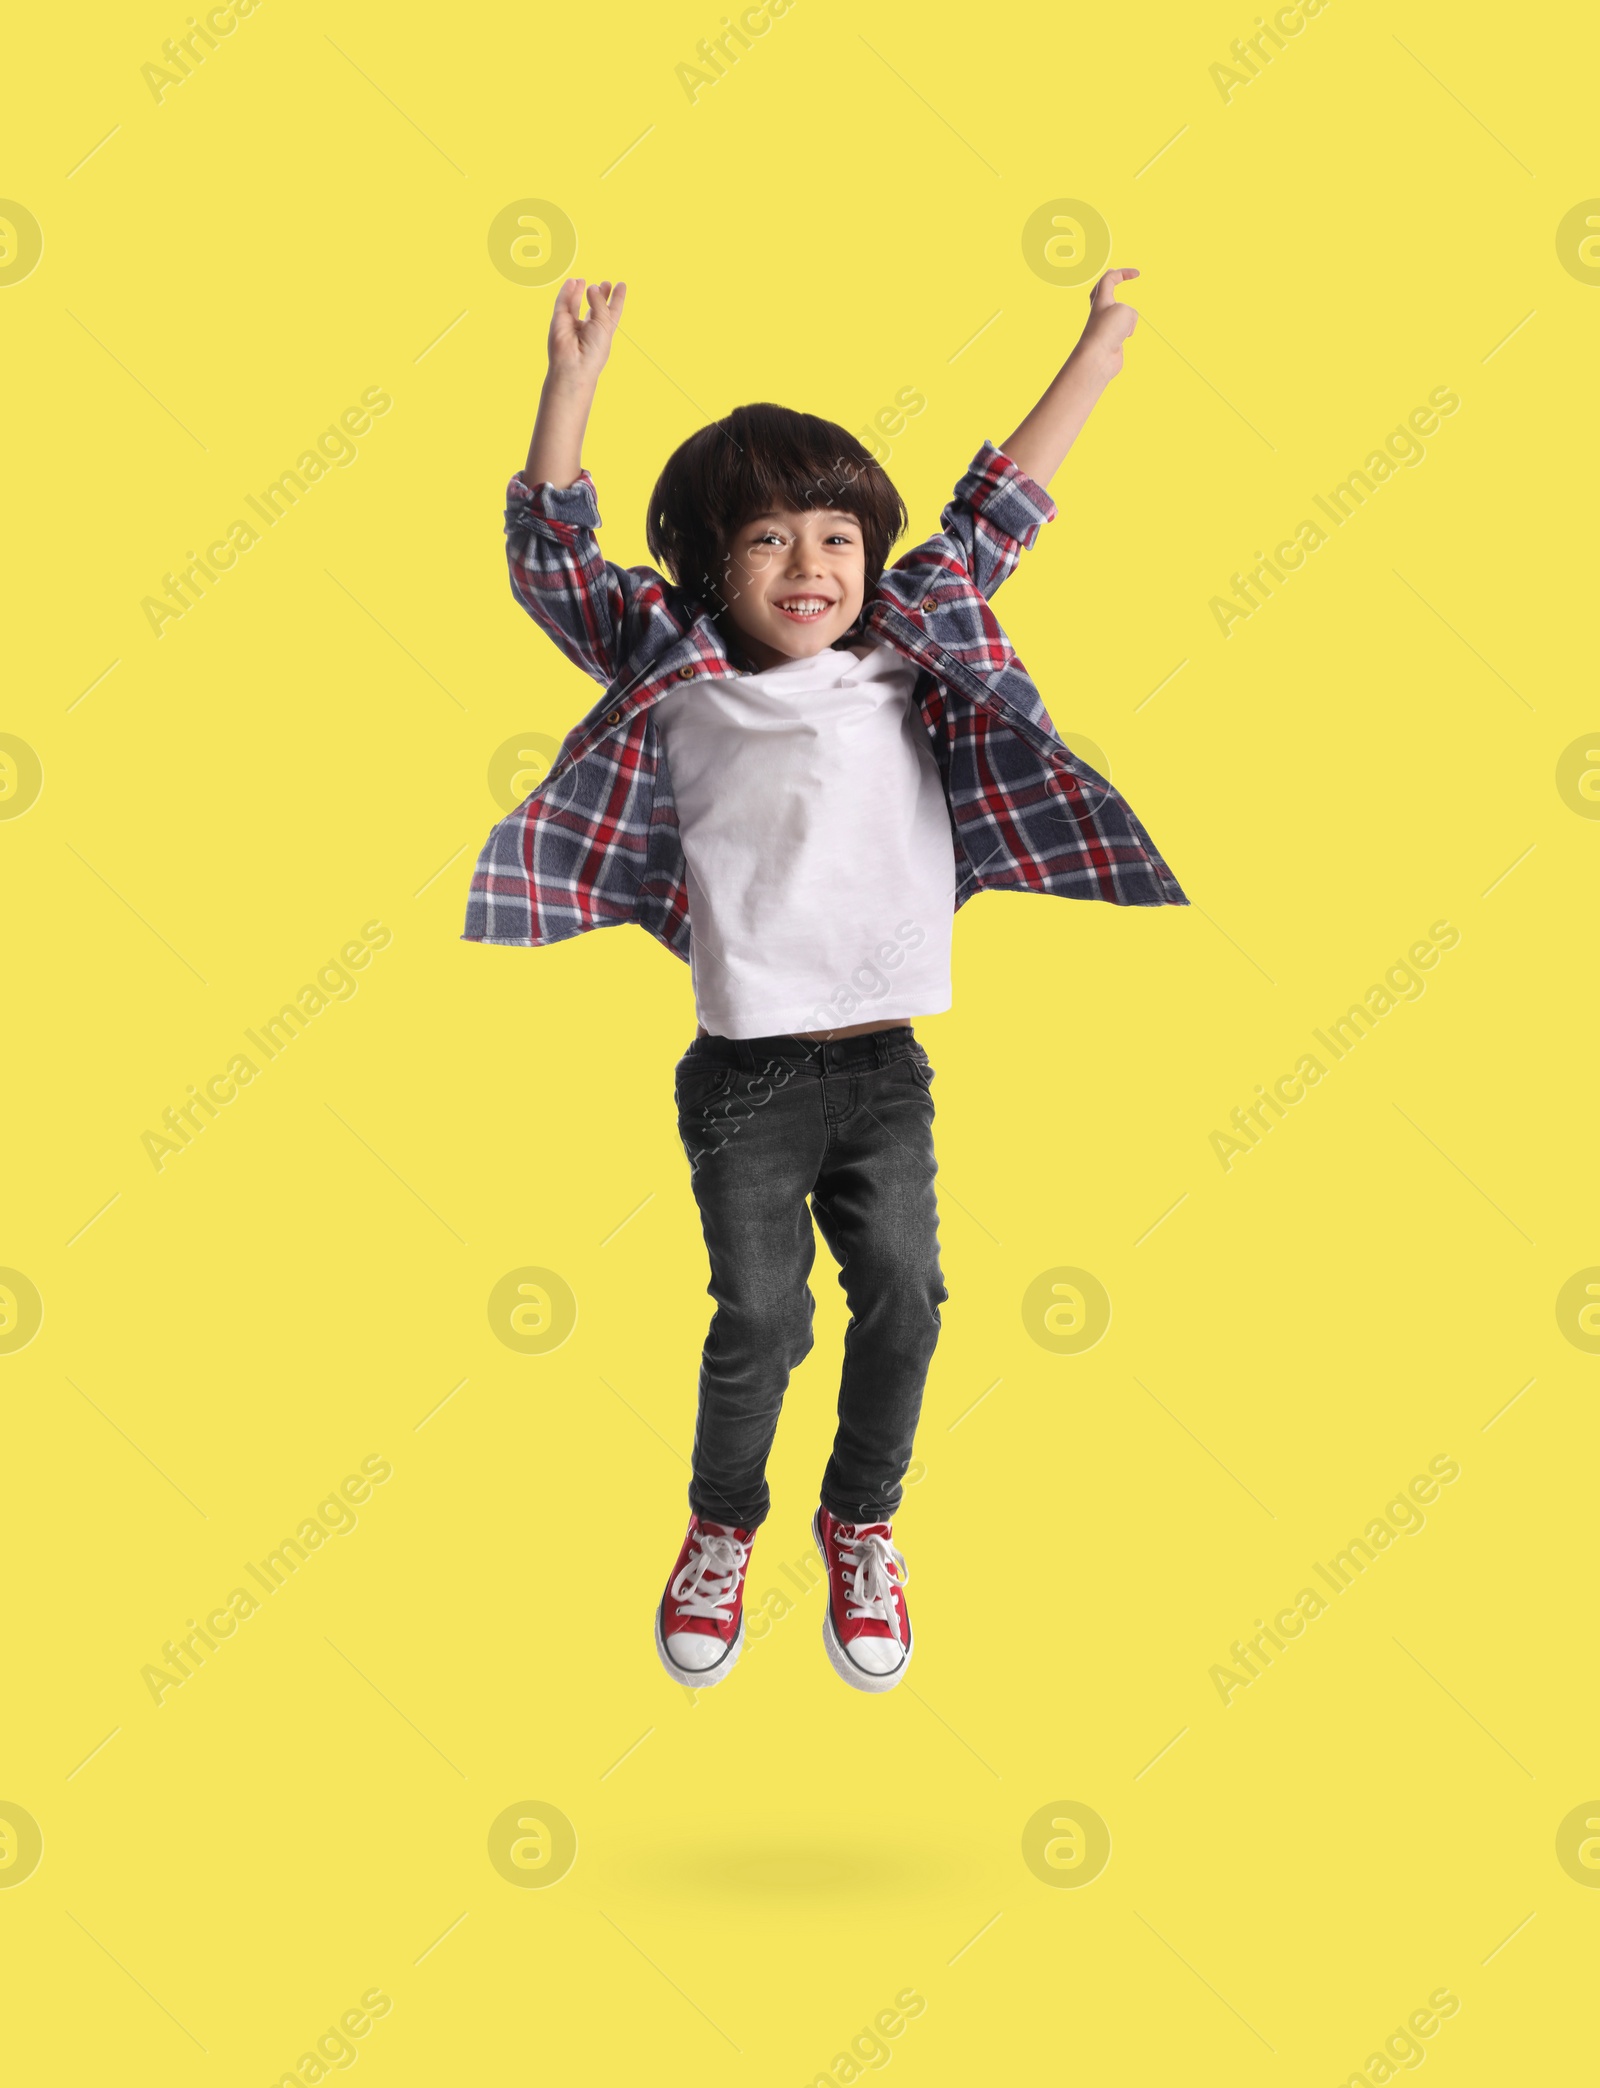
{"x": 903, "y": 1291}
{"x": 762, "y": 1328}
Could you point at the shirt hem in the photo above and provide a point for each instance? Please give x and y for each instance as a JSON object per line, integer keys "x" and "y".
{"x": 798, "y": 1027}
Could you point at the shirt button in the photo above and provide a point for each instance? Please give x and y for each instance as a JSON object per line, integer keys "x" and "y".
{"x": 613, "y": 717}
{"x": 686, "y": 674}
{"x": 930, "y": 603}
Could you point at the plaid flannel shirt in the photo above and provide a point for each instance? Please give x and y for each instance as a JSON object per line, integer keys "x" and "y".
{"x": 597, "y": 844}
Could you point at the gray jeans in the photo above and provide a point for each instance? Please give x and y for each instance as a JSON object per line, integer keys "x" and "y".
{"x": 768, "y": 1122}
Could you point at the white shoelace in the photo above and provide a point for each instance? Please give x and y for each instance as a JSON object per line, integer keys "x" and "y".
{"x": 707, "y": 1583}
{"x": 878, "y": 1570}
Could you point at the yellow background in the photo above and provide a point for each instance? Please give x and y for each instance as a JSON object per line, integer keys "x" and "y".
{"x": 224, "y": 1340}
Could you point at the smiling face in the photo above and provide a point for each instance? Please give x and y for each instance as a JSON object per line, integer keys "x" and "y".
{"x": 795, "y": 581}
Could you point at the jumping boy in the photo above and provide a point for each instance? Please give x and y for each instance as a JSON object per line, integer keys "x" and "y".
{"x": 804, "y": 761}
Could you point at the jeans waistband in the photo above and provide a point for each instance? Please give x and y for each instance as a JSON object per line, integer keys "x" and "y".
{"x": 834, "y": 1055}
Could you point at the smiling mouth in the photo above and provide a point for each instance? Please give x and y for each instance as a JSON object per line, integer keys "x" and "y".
{"x": 804, "y": 608}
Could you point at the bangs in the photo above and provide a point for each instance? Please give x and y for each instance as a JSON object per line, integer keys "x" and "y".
{"x": 794, "y": 461}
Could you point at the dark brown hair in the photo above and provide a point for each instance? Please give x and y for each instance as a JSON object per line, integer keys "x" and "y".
{"x": 754, "y": 459}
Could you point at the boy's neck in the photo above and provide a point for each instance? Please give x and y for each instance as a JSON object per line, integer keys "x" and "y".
{"x": 751, "y": 655}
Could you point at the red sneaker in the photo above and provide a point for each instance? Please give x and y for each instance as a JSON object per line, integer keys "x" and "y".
{"x": 866, "y": 1627}
{"x": 700, "y": 1621}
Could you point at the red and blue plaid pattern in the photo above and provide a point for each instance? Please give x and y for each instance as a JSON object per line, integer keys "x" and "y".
{"x": 597, "y": 843}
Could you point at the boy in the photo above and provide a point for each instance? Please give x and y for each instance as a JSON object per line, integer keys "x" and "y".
{"x": 804, "y": 761}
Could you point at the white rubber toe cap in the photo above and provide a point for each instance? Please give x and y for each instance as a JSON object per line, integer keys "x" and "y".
{"x": 695, "y": 1651}
{"x": 875, "y": 1656}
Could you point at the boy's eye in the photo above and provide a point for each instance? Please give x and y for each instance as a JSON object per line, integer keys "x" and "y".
{"x": 775, "y": 536}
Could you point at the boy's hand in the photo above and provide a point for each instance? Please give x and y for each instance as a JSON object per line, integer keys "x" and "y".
{"x": 578, "y": 347}
{"x": 1109, "y": 323}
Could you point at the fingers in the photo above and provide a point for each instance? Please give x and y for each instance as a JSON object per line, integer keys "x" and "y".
{"x": 605, "y": 299}
{"x": 1105, "y": 291}
{"x": 605, "y": 303}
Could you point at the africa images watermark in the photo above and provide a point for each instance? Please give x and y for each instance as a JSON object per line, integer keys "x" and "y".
{"x": 1258, "y": 584}
{"x": 889, "y": 422}
{"x": 183, "y": 53}
{"x": 867, "y": 982}
{"x": 868, "y": 2048}
{"x": 1247, "y": 50}
{"x": 716, "y": 53}
{"x": 1401, "y": 1516}
{"x": 1400, "y": 983}
{"x": 806, "y": 1574}
{"x": 335, "y": 1517}
{"x": 333, "y": 2048}
{"x": 189, "y": 590}
{"x": 184, "y": 1123}
{"x": 1401, "y": 2046}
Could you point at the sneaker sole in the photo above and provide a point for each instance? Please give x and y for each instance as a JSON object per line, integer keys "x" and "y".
{"x": 698, "y": 1678}
{"x": 841, "y": 1663}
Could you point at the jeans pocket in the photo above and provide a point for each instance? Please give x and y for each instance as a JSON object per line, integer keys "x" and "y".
{"x": 698, "y": 1084}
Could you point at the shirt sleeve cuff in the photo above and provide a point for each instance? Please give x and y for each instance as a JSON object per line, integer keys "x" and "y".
{"x": 1005, "y": 496}
{"x": 530, "y": 502}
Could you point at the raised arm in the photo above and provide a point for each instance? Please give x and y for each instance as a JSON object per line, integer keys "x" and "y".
{"x": 1001, "y": 501}
{"x": 1040, "y": 444}
{"x": 588, "y": 606}
{"x": 577, "y": 351}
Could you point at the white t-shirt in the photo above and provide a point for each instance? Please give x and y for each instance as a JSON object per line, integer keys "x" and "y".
{"x": 821, "y": 870}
